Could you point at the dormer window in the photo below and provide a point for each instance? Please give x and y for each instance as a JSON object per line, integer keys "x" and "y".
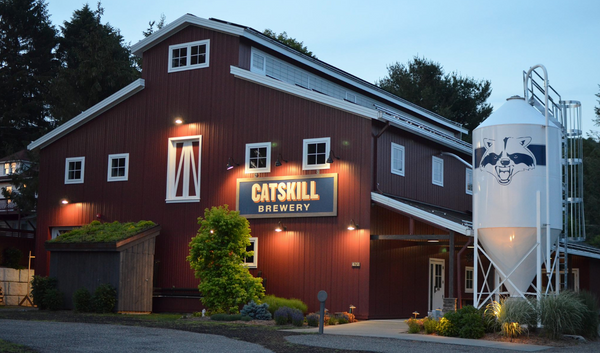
{"x": 189, "y": 56}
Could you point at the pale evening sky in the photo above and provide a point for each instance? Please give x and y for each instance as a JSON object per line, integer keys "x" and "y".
{"x": 495, "y": 40}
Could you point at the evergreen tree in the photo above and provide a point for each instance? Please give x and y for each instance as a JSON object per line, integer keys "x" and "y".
{"x": 95, "y": 63}
{"x": 423, "y": 82}
{"x": 27, "y": 65}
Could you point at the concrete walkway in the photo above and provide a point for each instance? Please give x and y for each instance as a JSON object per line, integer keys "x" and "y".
{"x": 397, "y": 329}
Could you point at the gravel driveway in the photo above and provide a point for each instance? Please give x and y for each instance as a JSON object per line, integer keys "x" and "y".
{"x": 54, "y": 337}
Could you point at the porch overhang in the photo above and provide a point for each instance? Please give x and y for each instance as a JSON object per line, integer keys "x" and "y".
{"x": 451, "y": 223}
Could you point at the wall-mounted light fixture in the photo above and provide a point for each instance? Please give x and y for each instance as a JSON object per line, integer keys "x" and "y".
{"x": 279, "y": 159}
{"x": 433, "y": 241}
{"x": 352, "y": 225}
{"x": 64, "y": 201}
{"x": 231, "y": 163}
{"x": 280, "y": 227}
{"x": 331, "y": 157}
{"x": 178, "y": 121}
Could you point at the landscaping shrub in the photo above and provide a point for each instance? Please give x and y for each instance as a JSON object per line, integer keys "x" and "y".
{"x": 590, "y": 320}
{"x": 277, "y": 302}
{"x": 256, "y": 312}
{"x": 39, "y": 287}
{"x": 448, "y": 325}
{"x": 414, "y": 325}
{"x": 332, "y": 320}
{"x": 226, "y": 317}
{"x": 54, "y": 299}
{"x": 562, "y": 313}
{"x": 282, "y": 315}
{"x": 471, "y": 326}
{"x": 297, "y": 318}
{"x": 82, "y": 300}
{"x": 12, "y": 258}
{"x": 430, "y": 325}
{"x": 512, "y": 316}
{"x": 312, "y": 320}
{"x": 248, "y": 318}
{"x": 343, "y": 319}
{"x": 104, "y": 299}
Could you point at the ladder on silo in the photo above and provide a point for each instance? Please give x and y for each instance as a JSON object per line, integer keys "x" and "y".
{"x": 567, "y": 115}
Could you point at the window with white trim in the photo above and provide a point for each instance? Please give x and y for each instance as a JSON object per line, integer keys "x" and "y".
{"x": 258, "y": 157}
{"x": 437, "y": 171}
{"x": 315, "y": 153}
{"x": 469, "y": 279}
{"x": 56, "y": 231}
{"x": 118, "y": 167}
{"x": 183, "y": 169}
{"x": 9, "y": 168}
{"x": 189, "y": 56}
{"x": 469, "y": 181}
{"x": 74, "y": 170}
{"x": 397, "y": 159}
{"x": 252, "y": 261}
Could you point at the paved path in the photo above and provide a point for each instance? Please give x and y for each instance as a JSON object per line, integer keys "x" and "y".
{"x": 54, "y": 337}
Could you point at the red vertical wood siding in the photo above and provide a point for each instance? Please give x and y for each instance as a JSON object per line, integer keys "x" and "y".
{"x": 314, "y": 254}
{"x": 416, "y": 183}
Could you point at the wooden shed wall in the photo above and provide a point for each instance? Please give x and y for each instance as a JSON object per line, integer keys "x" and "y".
{"x": 136, "y": 277}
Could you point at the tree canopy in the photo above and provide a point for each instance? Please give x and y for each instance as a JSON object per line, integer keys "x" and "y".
{"x": 27, "y": 66}
{"x": 424, "y": 82}
{"x": 95, "y": 63}
{"x": 217, "y": 256}
{"x": 597, "y": 110}
{"x": 289, "y": 41}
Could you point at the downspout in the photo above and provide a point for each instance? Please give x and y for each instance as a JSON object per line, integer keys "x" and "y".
{"x": 375, "y": 186}
{"x": 458, "y": 270}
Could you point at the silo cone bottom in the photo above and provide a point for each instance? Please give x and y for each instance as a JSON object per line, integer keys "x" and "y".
{"x": 507, "y": 246}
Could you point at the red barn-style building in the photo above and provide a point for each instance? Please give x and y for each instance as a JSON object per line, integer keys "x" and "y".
{"x": 225, "y": 115}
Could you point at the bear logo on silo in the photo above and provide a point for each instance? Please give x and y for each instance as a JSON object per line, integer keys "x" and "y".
{"x": 505, "y": 159}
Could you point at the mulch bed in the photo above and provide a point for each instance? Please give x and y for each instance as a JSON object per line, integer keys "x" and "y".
{"x": 265, "y": 334}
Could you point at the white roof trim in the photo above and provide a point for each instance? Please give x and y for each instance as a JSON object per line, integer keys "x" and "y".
{"x": 140, "y": 47}
{"x": 89, "y": 114}
{"x": 189, "y": 19}
{"x": 424, "y": 215}
{"x": 342, "y": 105}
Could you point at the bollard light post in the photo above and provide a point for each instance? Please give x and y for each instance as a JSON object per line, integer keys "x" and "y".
{"x": 322, "y": 296}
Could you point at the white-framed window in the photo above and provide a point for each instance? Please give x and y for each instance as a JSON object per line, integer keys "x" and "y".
{"x": 118, "y": 167}
{"x": 9, "y": 168}
{"x": 258, "y": 157}
{"x": 397, "y": 159}
{"x": 258, "y": 63}
{"x": 437, "y": 171}
{"x": 573, "y": 281}
{"x": 189, "y": 56}
{"x": 468, "y": 279}
{"x": 469, "y": 181}
{"x": 252, "y": 261}
{"x": 74, "y": 170}
{"x": 56, "y": 231}
{"x": 183, "y": 169}
{"x": 315, "y": 153}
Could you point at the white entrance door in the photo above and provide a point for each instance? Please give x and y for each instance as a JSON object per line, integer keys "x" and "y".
{"x": 436, "y": 284}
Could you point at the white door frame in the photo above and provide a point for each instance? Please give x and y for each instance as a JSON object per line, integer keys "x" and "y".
{"x": 431, "y": 269}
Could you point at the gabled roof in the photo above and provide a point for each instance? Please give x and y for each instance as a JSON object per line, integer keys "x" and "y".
{"x": 258, "y": 37}
{"x": 451, "y": 220}
{"x": 89, "y": 114}
{"x": 17, "y": 156}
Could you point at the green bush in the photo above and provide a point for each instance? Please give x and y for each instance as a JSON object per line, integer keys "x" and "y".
{"x": 97, "y": 232}
{"x": 246, "y": 318}
{"x": 82, "y": 300}
{"x": 12, "y": 258}
{"x": 590, "y": 320}
{"x": 343, "y": 319}
{"x": 562, "y": 314}
{"x": 448, "y": 325}
{"x": 312, "y": 320}
{"x": 104, "y": 299}
{"x": 39, "y": 287}
{"x": 277, "y": 302}
{"x": 332, "y": 320}
{"x": 54, "y": 299}
{"x": 430, "y": 325}
{"x": 297, "y": 318}
{"x": 471, "y": 326}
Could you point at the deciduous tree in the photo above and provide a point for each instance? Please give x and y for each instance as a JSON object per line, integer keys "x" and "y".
{"x": 424, "y": 82}
{"x": 217, "y": 255}
{"x": 289, "y": 41}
